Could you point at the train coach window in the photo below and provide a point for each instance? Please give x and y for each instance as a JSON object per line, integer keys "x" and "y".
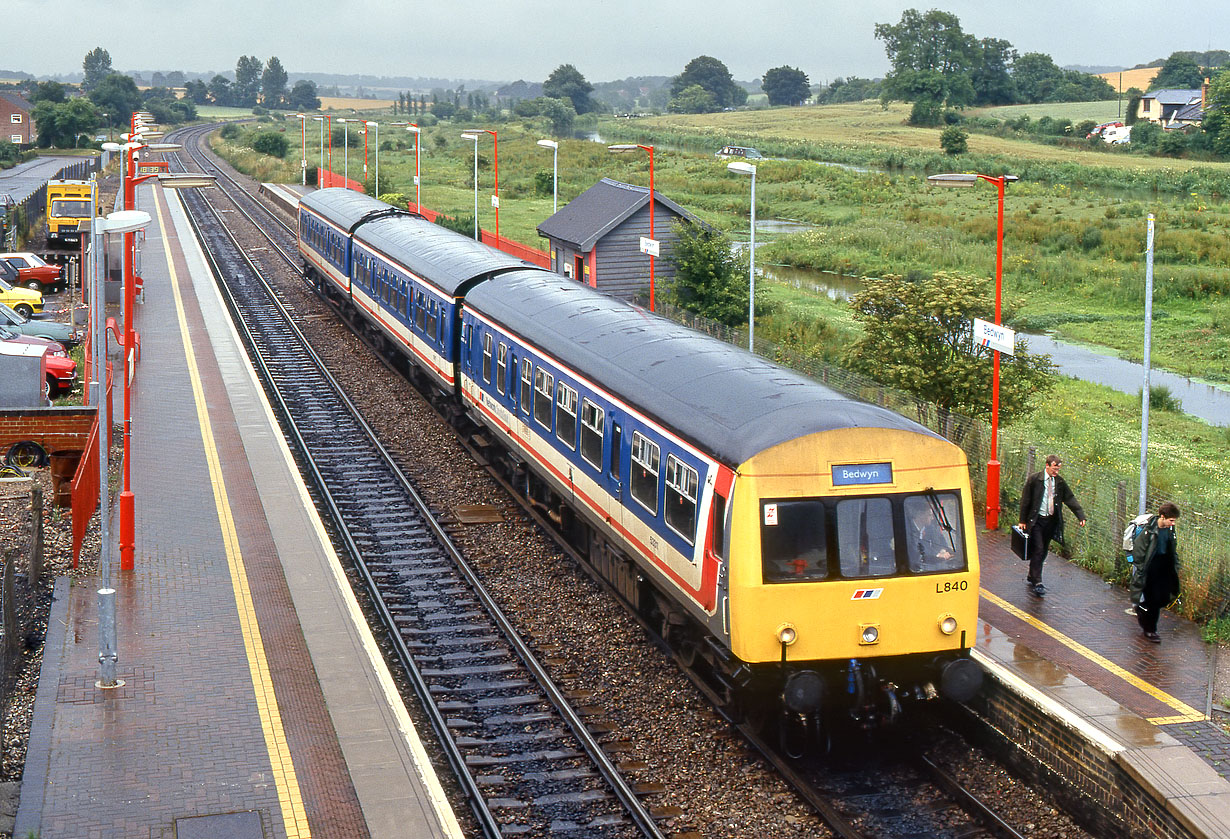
{"x": 592, "y": 417}
{"x": 865, "y": 537}
{"x": 487, "y": 358}
{"x": 501, "y": 368}
{"x": 681, "y": 490}
{"x": 544, "y": 397}
{"x": 644, "y": 480}
{"x": 421, "y": 311}
{"x": 793, "y": 541}
{"x": 430, "y": 327}
{"x": 566, "y": 415}
{"x": 527, "y": 379}
{"x": 933, "y": 532}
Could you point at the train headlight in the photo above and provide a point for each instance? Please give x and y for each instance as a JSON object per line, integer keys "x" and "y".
{"x": 787, "y": 634}
{"x": 869, "y": 633}
{"x": 948, "y": 624}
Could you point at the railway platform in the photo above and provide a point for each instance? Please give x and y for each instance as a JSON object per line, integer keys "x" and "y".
{"x": 254, "y": 701}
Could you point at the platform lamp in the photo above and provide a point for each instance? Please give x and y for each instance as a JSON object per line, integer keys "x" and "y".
{"x": 495, "y": 199}
{"x": 970, "y": 179}
{"x": 320, "y": 165}
{"x": 125, "y": 222}
{"x": 418, "y": 186}
{"x": 471, "y": 136}
{"x": 329, "y": 117}
{"x": 740, "y": 167}
{"x": 373, "y": 126}
{"x": 131, "y": 180}
{"x": 303, "y": 153}
{"x": 346, "y": 148}
{"x": 554, "y": 146}
{"x": 652, "y": 244}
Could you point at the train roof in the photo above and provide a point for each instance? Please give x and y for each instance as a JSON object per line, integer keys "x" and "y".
{"x": 732, "y": 403}
{"x": 443, "y": 257}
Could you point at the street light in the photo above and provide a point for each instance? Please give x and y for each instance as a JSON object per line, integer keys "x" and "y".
{"x": 740, "y": 167}
{"x": 321, "y": 164}
{"x": 652, "y": 245}
{"x": 346, "y": 151}
{"x": 474, "y": 137}
{"x": 376, "y": 126}
{"x": 554, "y": 146}
{"x": 418, "y": 188}
{"x": 329, "y": 117}
{"x": 969, "y": 180}
{"x": 303, "y": 153}
{"x": 125, "y": 222}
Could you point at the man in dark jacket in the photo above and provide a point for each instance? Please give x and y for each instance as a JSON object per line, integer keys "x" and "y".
{"x": 1042, "y": 502}
{"x": 1157, "y": 569}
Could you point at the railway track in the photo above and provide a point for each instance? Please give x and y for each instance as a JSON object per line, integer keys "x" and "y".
{"x": 855, "y": 802}
{"x": 525, "y": 759}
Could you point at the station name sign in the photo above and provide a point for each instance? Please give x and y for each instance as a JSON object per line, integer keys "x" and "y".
{"x": 994, "y": 336}
{"x": 856, "y": 474}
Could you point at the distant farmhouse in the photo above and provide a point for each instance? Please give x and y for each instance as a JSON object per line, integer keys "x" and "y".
{"x": 16, "y": 126}
{"x": 1174, "y": 109}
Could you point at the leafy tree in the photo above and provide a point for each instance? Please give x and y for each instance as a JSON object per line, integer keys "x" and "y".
{"x": 561, "y": 114}
{"x": 196, "y": 91}
{"x": 247, "y": 81}
{"x": 693, "y": 99}
{"x": 786, "y": 86}
{"x": 710, "y": 279}
{"x": 61, "y": 123}
{"x": 444, "y": 109}
{"x": 117, "y": 94}
{"x": 992, "y": 75}
{"x": 954, "y": 140}
{"x": 1216, "y": 124}
{"x": 932, "y": 59}
{"x": 918, "y": 338}
{"x": 712, "y": 76}
{"x": 1179, "y": 71}
{"x": 273, "y": 84}
{"x": 1145, "y": 134}
{"x": 220, "y": 91}
{"x": 9, "y": 154}
{"x": 852, "y": 89}
{"x": 97, "y": 66}
{"x": 566, "y": 82}
{"x": 176, "y": 78}
{"x": 1037, "y": 77}
{"x": 272, "y": 143}
{"x": 303, "y": 96}
{"x": 48, "y": 92}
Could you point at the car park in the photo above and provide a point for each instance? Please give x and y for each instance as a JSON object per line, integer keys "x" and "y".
{"x": 33, "y": 272}
{"x": 24, "y": 301}
{"x": 738, "y": 153}
{"x": 61, "y": 370}
{"x": 61, "y": 332}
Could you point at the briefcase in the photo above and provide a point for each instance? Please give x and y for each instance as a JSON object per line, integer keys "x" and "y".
{"x": 1020, "y": 542}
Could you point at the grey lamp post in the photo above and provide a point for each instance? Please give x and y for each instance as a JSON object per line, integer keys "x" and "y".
{"x": 739, "y": 167}
{"x": 554, "y": 146}
{"x": 474, "y": 137}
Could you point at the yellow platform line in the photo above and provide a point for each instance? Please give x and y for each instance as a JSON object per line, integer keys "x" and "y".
{"x": 1186, "y": 712}
{"x": 290, "y": 798}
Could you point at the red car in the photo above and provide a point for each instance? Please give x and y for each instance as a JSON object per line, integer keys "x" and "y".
{"x": 61, "y": 370}
{"x": 33, "y": 272}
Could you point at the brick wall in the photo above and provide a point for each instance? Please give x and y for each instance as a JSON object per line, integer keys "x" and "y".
{"x": 52, "y": 428}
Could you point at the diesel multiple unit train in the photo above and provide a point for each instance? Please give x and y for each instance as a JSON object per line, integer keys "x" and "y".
{"x": 812, "y": 554}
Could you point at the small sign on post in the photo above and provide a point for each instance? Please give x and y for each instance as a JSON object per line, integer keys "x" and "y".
{"x": 495, "y": 201}
{"x": 649, "y": 246}
{"x": 994, "y": 336}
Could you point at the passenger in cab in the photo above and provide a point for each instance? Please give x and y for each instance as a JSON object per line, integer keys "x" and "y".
{"x": 930, "y": 547}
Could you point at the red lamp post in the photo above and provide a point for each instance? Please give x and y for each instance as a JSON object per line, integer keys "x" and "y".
{"x": 969, "y": 180}
{"x": 414, "y": 129}
{"x": 629, "y": 147}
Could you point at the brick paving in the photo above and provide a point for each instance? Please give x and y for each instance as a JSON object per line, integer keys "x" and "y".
{"x": 1088, "y": 612}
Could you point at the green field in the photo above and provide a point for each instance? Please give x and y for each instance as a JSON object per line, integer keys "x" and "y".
{"x": 1102, "y": 111}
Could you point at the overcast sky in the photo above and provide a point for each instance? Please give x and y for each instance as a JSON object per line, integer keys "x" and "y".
{"x": 506, "y": 40}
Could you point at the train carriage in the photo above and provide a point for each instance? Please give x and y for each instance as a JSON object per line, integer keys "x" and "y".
{"x": 774, "y": 513}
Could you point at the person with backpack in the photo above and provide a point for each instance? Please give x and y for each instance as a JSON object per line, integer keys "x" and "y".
{"x": 1136, "y": 579}
{"x": 1042, "y": 502}
{"x": 1156, "y": 557}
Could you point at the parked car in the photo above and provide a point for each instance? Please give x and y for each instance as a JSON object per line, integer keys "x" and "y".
{"x": 61, "y": 370}
{"x": 738, "y": 153}
{"x": 23, "y": 300}
{"x": 49, "y": 329}
{"x": 33, "y": 272}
